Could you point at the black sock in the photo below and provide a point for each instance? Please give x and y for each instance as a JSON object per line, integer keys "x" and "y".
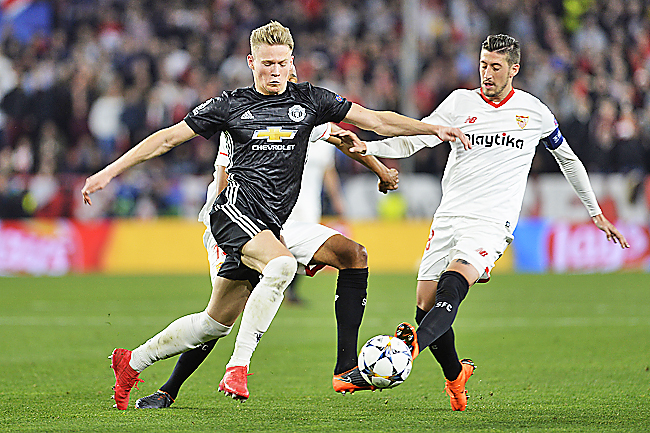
{"x": 349, "y": 305}
{"x": 187, "y": 363}
{"x": 291, "y": 293}
{"x": 452, "y": 289}
{"x": 443, "y": 349}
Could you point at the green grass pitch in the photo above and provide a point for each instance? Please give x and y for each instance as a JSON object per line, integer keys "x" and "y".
{"x": 562, "y": 353}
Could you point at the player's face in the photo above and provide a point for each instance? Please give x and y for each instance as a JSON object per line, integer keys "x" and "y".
{"x": 270, "y": 65}
{"x": 496, "y": 75}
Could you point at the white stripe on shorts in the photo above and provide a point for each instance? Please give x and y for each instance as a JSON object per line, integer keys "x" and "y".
{"x": 245, "y": 223}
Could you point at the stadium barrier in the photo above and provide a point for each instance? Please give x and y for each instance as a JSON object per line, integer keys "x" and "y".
{"x": 174, "y": 246}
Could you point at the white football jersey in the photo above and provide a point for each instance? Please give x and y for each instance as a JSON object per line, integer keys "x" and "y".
{"x": 320, "y": 155}
{"x": 489, "y": 180}
{"x": 308, "y": 207}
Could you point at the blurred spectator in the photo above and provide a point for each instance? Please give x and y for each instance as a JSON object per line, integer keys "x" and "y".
{"x": 104, "y": 119}
{"x": 602, "y": 136}
{"x": 100, "y": 76}
{"x": 628, "y": 145}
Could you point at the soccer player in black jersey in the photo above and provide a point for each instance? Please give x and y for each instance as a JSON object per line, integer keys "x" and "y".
{"x": 270, "y": 124}
{"x": 315, "y": 246}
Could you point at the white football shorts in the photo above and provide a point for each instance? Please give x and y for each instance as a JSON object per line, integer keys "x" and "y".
{"x": 302, "y": 240}
{"x": 479, "y": 242}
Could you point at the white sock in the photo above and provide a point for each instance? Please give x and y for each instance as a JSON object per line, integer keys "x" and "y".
{"x": 261, "y": 307}
{"x": 180, "y": 336}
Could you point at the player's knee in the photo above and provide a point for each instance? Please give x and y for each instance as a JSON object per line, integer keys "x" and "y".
{"x": 452, "y": 286}
{"x": 206, "y": 328}
{"x": 279, "y": 272}
{"x": 354, "y": 255}
{"x": 360, "y": 256}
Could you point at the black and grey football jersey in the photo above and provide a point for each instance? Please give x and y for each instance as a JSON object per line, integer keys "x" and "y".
{"x": 270, "y": 134}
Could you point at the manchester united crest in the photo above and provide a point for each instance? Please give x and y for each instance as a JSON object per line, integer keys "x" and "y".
{"x": 296, "y": 113}
{"x": 522, "y": 121}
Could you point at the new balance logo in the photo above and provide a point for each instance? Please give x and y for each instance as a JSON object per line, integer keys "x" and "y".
{"x": 247, "y": 115}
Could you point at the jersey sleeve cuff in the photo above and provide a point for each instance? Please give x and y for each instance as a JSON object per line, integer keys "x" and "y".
{"x": 194, "y": 127}
{"x": 344, "y": 113}
{"x": 371, "y": 147}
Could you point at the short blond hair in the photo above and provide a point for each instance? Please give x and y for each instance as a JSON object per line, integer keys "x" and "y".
{"x": 272, "y": 33}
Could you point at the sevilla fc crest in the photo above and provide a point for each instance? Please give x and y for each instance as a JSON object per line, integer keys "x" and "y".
{"x": 522, "y": 121}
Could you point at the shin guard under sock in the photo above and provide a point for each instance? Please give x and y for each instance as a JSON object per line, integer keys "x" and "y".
{"x": 349, "y": 305}
{"x": 443, "y": 349}
{"x": 261, "y": 307}
{"x": 452, "y": 289}
{"x": 187, "y": 363}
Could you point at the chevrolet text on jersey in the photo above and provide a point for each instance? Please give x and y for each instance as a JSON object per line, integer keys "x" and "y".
{"x": 273, "y": 146}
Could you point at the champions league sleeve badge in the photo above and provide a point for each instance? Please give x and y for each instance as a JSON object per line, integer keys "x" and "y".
{"x": 296, "y": 113}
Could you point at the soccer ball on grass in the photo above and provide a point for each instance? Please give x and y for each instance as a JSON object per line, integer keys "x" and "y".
{"x": 385, "y": 361}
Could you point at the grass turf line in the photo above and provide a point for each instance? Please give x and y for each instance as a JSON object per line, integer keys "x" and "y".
{"x": 562, "y": 353}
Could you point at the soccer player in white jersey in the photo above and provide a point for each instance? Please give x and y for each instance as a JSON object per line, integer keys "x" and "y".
{"x": 483, "y": 189}
{"x": 318, "y": 167}
{"x": 320, "y": 173}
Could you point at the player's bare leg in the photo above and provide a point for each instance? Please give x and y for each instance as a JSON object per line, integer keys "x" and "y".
{"x": 261, "y": 249}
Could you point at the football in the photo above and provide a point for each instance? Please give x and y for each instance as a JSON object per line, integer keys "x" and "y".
{"x": 385, "y": 361}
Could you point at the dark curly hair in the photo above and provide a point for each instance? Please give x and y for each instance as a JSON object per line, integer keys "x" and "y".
{"x": 503, "y": 44}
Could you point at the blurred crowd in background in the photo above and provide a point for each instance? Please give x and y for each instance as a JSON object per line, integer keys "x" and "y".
{"x": 93, "y": 77}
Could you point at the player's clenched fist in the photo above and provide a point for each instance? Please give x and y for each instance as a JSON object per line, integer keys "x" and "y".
{"x": 389, "y": 181}
{"x": 94, "y": 183}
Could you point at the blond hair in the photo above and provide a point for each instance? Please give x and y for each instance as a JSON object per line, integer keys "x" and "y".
{"x": 272, "y": 33}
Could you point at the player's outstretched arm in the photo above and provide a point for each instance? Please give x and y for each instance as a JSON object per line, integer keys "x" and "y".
{"x": 346, "y": 140}
{"x": 154, "y": 145}
{"x": 576, "y": 174}
{"x": 612, "y": 233}
{"x": 392, "y": 124}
